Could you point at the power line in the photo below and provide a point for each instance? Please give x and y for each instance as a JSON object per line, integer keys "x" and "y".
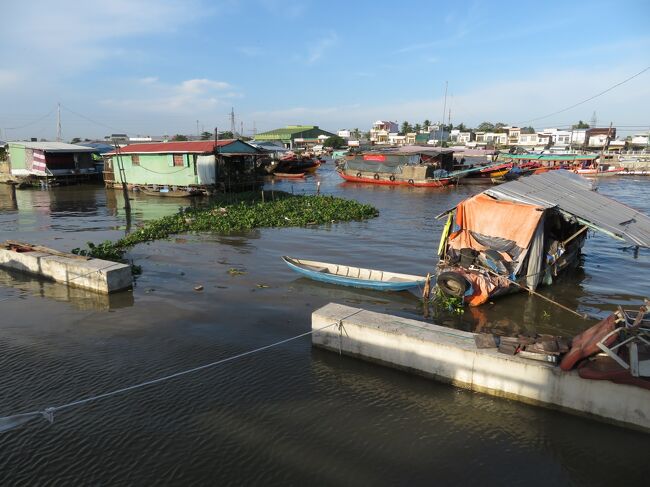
{"x": 590, "y": 98}
{"x": 91, "y": 120}
{"x": 33, "y": 122}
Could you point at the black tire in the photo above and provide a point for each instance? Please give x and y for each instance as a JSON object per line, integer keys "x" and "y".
{"x": 358, "y": 174}
{"x": 376, "y": 176}
{"x": 411, "y": 182}
{"x": 391, "y": 177}
{"x": 452, "y": 284}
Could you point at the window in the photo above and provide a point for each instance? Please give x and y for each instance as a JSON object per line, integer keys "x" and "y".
{"x": 135, "y": 160}
{"x": 178, "y": 160}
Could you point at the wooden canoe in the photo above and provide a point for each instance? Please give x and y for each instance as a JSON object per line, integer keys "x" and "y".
{"x": 354, "y": 276}
{"x": 289, "y": 175}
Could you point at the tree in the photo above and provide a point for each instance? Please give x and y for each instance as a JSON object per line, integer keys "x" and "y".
{"x": 527, "y": 130}
{"x": 427, "y": 124}
{"x": 485, "y": 127}
{"x": 417, "y": 128}
{"x": 498, "y": 127}
{"x": 406, "y": 128}
{"x": 76, "y": 140}
{"x": 356, "y": 134}
{"x": 226, "y": 135}
{"x": 179, "y": 137}
{"x": 461, "y": 127}
{"x": 335, "y": 142}
{"x": 580, "y": 125}
{"x": 206, "y": 135}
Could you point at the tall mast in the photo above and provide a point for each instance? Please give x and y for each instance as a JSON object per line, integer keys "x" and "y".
{"x": 58, "y": 122}
{"x": 444, "y": 111}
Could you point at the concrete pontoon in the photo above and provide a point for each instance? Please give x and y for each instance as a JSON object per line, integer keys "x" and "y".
{"x": 452, "y": 356}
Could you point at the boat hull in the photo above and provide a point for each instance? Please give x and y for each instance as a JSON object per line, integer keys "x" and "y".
{"x": 377, "y": 285}
{"x": 429, "y": 183}
{"x": 594, "y": 173}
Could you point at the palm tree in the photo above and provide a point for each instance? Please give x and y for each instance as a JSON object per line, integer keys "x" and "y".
{"x": 427, "y": 124}
{"x": 356, "y": 134}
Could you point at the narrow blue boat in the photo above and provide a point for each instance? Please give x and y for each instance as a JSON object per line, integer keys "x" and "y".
{"x": 354, "y": 276}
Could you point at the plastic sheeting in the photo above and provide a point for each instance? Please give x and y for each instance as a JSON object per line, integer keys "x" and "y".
{"x": 206, "y": 168}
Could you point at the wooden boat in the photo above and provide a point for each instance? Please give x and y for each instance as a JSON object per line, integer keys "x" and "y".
{"x": 603, "y": 170}
{"x": 288, "y": 175}
{"x": 417, "y": 183}
{"x": 354, "y": 276}
{"x": 170, "y": 193}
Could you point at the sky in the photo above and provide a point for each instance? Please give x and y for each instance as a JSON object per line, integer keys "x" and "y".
{"x": 162, "y": 67}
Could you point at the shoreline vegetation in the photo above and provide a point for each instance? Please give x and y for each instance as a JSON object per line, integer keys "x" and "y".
{"x": 268, "y": 209}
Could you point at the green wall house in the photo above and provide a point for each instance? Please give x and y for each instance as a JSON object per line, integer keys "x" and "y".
{"x": 49, "y": 160}
{"x": 294, "y": 136}
{"x": 227, "y": 165}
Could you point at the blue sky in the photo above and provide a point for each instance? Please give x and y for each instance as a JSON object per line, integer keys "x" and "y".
{"x": 156, "y": 66}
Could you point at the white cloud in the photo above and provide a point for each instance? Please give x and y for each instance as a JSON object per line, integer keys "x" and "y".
{"x": 321, "y": 46}
{"x": 250, "y": 51}
{"x": 192, "y": 96}
{"x": 9, "y": 78}
{"x": 148, "y": 80}
{"x": 514, "y": 101}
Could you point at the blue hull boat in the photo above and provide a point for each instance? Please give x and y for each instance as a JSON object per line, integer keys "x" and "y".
{"x": 354, "y": 276}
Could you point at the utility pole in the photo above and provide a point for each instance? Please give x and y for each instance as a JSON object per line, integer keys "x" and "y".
{"x": 58, "y": 122}
{"x": 232, "y": 121}
{"x": 198, "y": 134}
{"x": 444, "y": 111}
{"x": 241, "y": 129}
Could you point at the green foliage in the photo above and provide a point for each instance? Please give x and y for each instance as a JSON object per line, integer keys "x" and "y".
{"x": 277, "y": 210}
{"x": 335, "y": 142}
{"x": 447, "y": 303}
{"x": 406, "y": 128}
{"x": 226, "y": 135}
{"x": 485, "y": 127}
{"x": 427, "y": 124}
{"x": 179, "y": 137}
{"x": 580, "y": 125}
{"x": 527, "y": 130}
{"x": 206, "y": 135}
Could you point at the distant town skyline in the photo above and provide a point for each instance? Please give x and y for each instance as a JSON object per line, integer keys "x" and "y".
{"x": 147, "y": 67}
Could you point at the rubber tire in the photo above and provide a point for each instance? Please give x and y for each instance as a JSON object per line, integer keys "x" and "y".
{"x": 411, "y": 182}
{"x": 358, "y": 174}
{"x": 452, "y": 284}
{"x": 376, "y": 176}
{"x": 391, "y": 177}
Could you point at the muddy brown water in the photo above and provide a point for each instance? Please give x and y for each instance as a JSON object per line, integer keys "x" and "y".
{"x": 290, "y": 415}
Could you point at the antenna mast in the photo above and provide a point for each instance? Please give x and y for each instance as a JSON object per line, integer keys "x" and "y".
{"x": 444, "y": 111}
{"x": 58, "y": 122}
{"x": 232, "y": 122}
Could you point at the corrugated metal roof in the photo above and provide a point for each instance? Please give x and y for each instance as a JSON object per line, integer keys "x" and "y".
{"x": 574, "y": 194}
{"x": 179, "y": 147}
{"x": 53, "y": 146}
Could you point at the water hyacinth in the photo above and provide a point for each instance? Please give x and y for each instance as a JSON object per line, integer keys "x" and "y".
{"x": 251, "y": 211}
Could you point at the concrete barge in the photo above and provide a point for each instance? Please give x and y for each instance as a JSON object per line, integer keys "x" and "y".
{"x": 451, "y": 356}
{"x": 97, "y": 275}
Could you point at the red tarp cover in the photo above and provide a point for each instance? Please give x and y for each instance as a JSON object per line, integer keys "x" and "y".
{"x": 486, "y": 216}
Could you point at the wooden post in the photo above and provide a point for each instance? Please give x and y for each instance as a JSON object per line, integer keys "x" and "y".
{"x": 426, "y": 293}
{"x": 318, "y": 188}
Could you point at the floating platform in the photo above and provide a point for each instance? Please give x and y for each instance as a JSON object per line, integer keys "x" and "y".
{"x": 73, "y": 270}
{"x": 451, "y": 356}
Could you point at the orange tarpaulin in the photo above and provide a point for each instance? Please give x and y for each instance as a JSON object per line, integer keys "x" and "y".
{"x": 493, "y": 218}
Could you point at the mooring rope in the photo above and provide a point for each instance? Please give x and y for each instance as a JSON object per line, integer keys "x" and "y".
{"x": 13, "y": 421}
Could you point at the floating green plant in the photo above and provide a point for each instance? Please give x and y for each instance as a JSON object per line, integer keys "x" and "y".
{"x": 275, "y": 209}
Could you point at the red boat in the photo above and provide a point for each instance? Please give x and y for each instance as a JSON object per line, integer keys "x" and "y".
{"x": 419, "y": 167}
{"x": 427, "y": 183}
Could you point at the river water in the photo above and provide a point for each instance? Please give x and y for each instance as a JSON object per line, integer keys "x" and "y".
{"x": 290, "y": 415}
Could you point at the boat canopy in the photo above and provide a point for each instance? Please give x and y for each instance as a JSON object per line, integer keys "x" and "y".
{"x": 575, "y": 196}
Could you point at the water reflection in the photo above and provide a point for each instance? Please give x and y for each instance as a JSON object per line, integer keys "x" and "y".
{"x": 80, "y": 299}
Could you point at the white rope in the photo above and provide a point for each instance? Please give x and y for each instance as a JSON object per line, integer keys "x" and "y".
{"x": 13, "y": 421}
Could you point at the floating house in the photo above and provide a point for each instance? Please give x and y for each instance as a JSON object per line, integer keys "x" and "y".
{"x": 224, "y": 165}
{"x": 51, "y": 161}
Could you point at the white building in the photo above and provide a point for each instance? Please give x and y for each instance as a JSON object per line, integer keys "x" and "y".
{"x": 395, "y": 139}
{"x": 639, "y": 140}
{"x": 344, "y": 134}
{"x": 491, "y": 138}
{"x": 380, "y": 131}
